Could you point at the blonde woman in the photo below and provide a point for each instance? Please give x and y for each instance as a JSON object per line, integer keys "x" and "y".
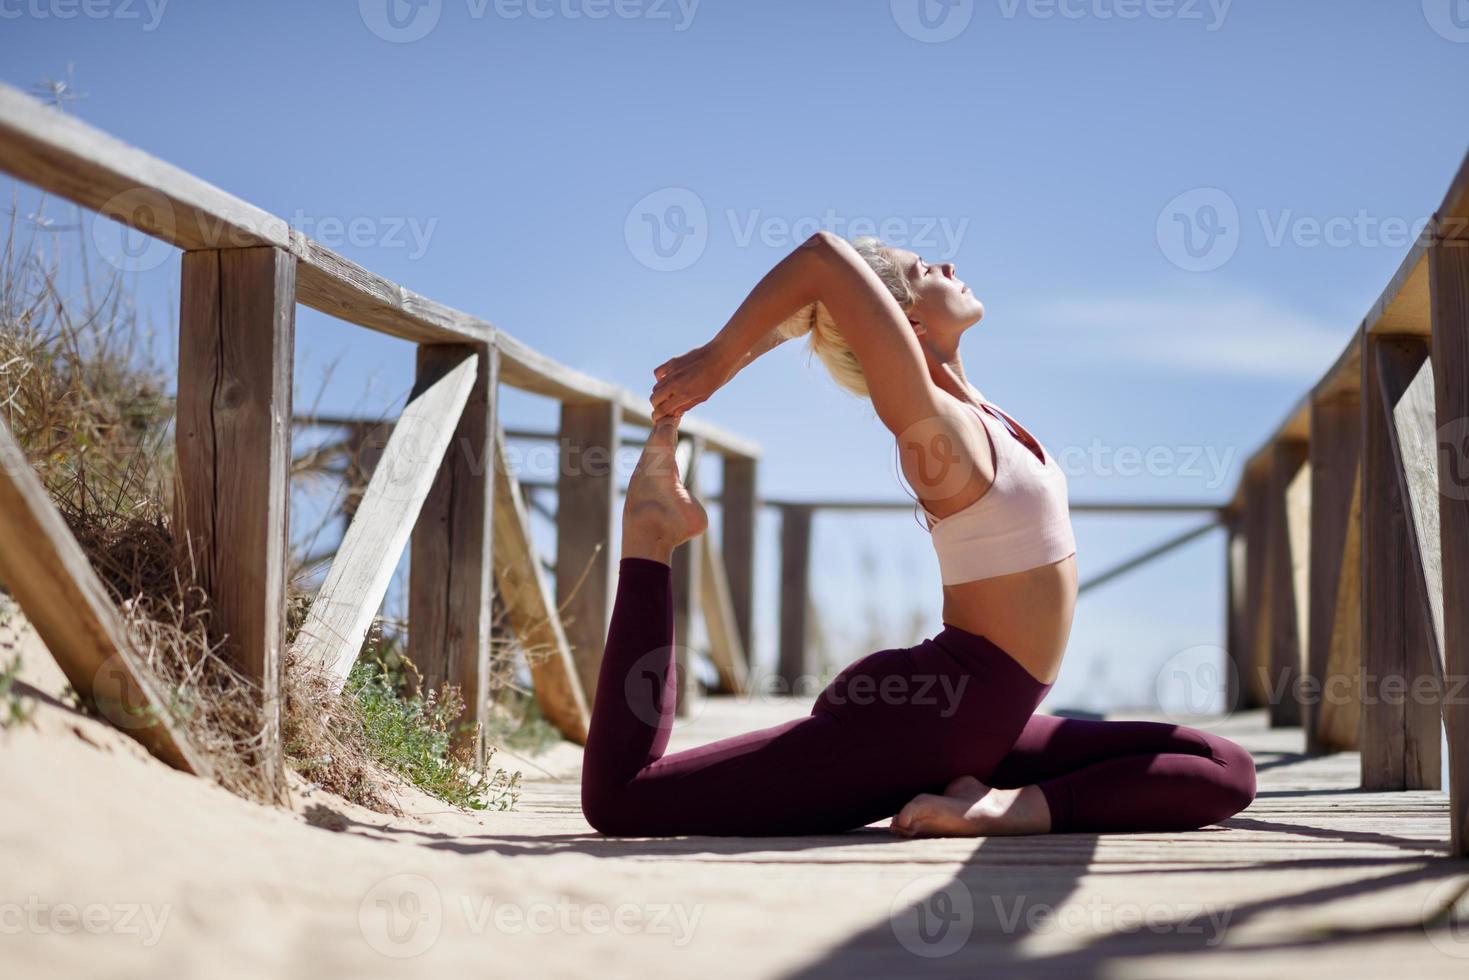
{"x": 941, "y": 737}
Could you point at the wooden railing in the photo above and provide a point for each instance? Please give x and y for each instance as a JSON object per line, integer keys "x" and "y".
{"x": 1349, "y": 537}
{"x": 440, "y": 486}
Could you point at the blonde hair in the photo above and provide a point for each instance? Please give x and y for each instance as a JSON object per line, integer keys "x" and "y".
{"x": 827, "y": 341}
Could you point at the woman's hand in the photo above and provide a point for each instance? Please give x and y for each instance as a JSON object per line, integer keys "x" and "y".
{"x": 690, "y": 379}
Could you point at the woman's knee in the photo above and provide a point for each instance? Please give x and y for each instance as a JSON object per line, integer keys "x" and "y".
{"x": 1239, "y": 769}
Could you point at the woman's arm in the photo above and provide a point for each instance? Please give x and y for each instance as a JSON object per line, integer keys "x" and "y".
{"x": 826, "y": 269}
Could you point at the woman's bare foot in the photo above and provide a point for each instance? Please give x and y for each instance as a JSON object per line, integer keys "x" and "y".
{"x": 659, "y": 513}
{"x": 969, "y": 808}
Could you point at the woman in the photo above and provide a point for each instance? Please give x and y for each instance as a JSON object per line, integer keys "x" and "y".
{"x": 941, "y": 737}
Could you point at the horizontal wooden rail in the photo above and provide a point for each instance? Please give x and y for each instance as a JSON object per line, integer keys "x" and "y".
{"x": 66, "y": 157}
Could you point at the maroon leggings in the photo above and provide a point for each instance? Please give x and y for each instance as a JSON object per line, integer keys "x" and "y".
{"x": 892, "y": 725}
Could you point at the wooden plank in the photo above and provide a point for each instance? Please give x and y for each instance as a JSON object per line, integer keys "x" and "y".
{"x": 739, "y": 516}
{"x": 1404, "y": 306}
{"x": 66, "y": 157}
{"x": 353, "y": 591}
{"x": 1449, "y": 267}
{"x": 586, "y": 516}
{"x": 726, "y": 646}
{"x": 1344, "y": 378}
{"x": 1235, "y": 623}
{"x": 795, "y": 562}
{"x": 530, "y": 610}
{"x": 1339, "y": 722}
{"x": 237, "y": 319}
{"x": 1335, "y": 452}
{"x": 1283, "y": 683}
{"x": 450, "y": 568}
{"x": 1254, "y": 691}
{"x": 1407, "y": 375}
{"x": 44, "y": 568}
{"x": 1400, "y": 727}
{"x": 687, "y": 560}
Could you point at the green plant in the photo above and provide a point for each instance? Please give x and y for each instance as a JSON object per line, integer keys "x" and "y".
{"x": 15, "y": 708}
{"x": 415, "y": 737}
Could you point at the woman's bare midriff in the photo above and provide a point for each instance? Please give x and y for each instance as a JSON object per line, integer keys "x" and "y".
{"x": 1027, "y": 614}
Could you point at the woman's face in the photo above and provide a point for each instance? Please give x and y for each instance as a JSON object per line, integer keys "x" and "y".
{"x": 945, "y": 306}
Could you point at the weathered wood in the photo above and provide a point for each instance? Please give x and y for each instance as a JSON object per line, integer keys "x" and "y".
{"x": 739, "y": 514}
{"x": 795, "y": 562}
{"x": 586, "y": 515}
{"x": 450, "y": 568}
{"x": 1235, "y": 625}
{"x": 530, "y": 611}
{"x": 687, "y": 561}
{"x": 1400, "y": 722}
{"x": 237, "y": 321}
{"x": 1339, "y": 723}
{"x": 1255, "y": 662}
{"x": 1283, "y": 679}
{"x": 1335, "y": 450}
{"x": 726, "y": 646}
{"x": 44, "y": 568}
{"x": 1407, "y": 374}
{"x": 1449, "y": 268}
{"x": 353, "y": 591}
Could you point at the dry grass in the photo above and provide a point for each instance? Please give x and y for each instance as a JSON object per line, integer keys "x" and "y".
{"x": 87, "y": 402}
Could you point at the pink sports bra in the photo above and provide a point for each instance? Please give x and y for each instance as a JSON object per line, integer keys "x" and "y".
{"x": 1022, "y": 521}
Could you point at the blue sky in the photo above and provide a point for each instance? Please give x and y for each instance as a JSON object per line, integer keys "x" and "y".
{"x": 1175, "y": 211}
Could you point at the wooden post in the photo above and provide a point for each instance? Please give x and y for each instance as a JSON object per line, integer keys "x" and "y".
{"x": 1448, "y": 271}
{"x": 1255, "y": 642}
{"x": 1287, "y": 520}
{"x": 1400, "y": 727}
{"x": 586, "y": 509}
{"x": 686, "y": 586}
{"x": 740, "y": 510}
{"x": 451, "y": 564}
{"x": 1335, "y": 450}
{"x": 237, "y": 320}
{"x": 1235, "y": 624}
{"x": 795, "y": 560}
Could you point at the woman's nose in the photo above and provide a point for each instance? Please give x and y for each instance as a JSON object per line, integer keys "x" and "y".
{"x": 949, "y": 270}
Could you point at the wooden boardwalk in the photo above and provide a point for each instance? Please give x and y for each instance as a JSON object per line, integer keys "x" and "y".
{"x": 1316, "y": 878}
